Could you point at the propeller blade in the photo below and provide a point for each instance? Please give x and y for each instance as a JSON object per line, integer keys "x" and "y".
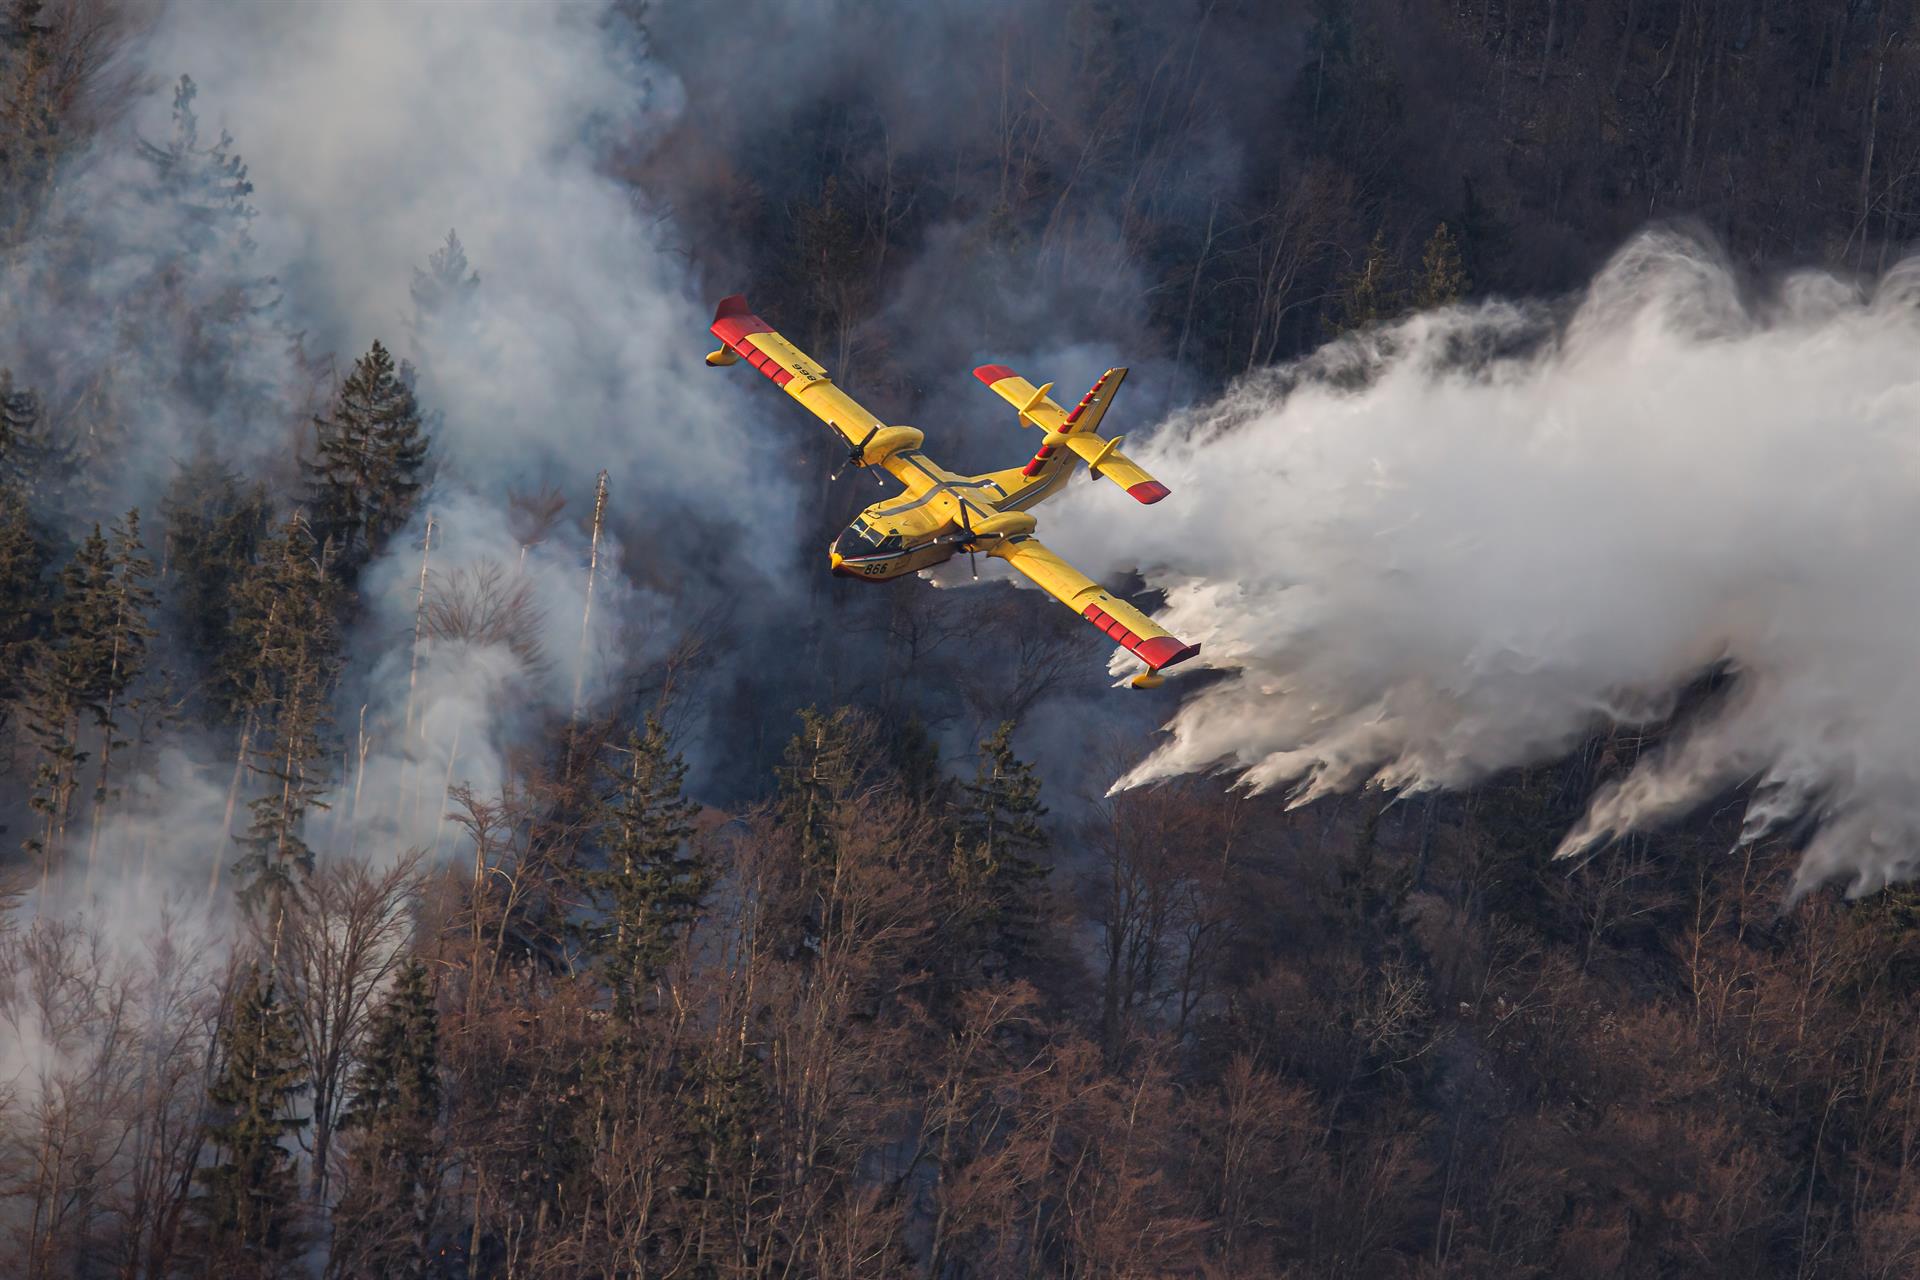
{"x": 973, "y": 557}
{"x": 857, "y": 456}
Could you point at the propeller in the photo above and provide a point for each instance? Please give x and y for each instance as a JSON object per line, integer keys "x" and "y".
{"x": 966, "y": 523}
{"x": 857, "y": 456}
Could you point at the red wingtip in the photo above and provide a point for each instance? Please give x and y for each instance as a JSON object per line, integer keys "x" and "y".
{"x": 1149, "y": 491}
{"x": 1162, "y": 652}
{"x": 992, "y": 373}
{"x": 734, "y": 304}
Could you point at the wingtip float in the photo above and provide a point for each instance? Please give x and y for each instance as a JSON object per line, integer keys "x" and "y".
{"x": 942, "y": 514}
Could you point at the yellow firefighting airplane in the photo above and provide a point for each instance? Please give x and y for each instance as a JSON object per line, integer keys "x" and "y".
{"x": 941, "y": 513}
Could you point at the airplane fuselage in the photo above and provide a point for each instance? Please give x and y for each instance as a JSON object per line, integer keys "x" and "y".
{"x": 909, "y": 532}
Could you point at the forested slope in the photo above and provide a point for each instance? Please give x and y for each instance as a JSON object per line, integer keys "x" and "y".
{"x": 443, "y": 838}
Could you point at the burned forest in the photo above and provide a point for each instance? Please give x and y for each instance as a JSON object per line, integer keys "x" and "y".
{"x": 452, "y": 823}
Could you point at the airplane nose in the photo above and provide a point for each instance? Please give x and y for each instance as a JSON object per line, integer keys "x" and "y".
{"x": 836, "y": 560}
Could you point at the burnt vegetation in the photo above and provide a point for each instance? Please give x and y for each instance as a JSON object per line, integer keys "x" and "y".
{"x": 901, "y": 994}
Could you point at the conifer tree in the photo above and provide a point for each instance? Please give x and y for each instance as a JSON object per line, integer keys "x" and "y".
{"x": 30, "y": 119}
{"x": 67, "y": 683}
{"x": 123, "y": 614}
{"x": 24, "y": 554}
{"x": 649, "y": 887}
{"x": 826, "y": 763}
{"x": 1367, "y": 295}
{"x": 204, "y": 292}
{"x": 917, "y": 760}
{"x": 995, "y": 870}
{"x": 446, "y": 286}
{"x": 209, "y": 183}
{"x": 214, "y": 526}
{"x": 1443, "y": 276}
{"x": 23, "y": 559}
{"x": 246, "y": 1218}
{"x": 386, "y": 1214}
{"x": 370, "y": 452}
{"x": 722, "y": 1125}
{"x": 22, "y": 448}
{"x": 284, "y": 624}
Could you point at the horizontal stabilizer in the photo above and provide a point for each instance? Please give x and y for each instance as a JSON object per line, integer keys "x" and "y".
{"x": 1075, "y": 429}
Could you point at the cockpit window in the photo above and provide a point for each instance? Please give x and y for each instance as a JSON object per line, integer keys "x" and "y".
{"x": 871, "y": 535}
{"x": 861, "y": 539}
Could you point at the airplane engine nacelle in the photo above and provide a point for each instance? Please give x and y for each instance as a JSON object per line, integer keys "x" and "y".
{"x": 888, "y": 441}
{"x": 1007, "y": 524}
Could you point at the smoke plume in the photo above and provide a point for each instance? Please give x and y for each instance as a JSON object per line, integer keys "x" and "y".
{"x": 1464, "y": 542}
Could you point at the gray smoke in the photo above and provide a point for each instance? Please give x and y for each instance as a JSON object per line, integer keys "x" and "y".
{"x": 370, "y": 130}
{"x": 164, "y": 315}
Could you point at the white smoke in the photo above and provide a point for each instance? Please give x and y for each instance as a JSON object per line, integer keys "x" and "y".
{"x": 1465, "y": 542}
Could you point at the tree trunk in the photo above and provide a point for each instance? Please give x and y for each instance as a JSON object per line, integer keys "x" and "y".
{"x": 1881, "y": 45}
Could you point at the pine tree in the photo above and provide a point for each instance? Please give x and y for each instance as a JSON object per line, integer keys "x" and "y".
{"x": 209, "y": 184}
{"x": 79, "y": 675}
{"x": 215, "y": 525}
{"x": 826, "y": 763}
{"x": 23, "y": 612}
{"x": 67, "y": 683}
{"x": 31, "y": 134}
{"x": 649, "y": 886}
{"x": 1368, "y": 296}
{"x": 445, "y": 287}
{"x": 284, "y": 623}
{"x": 995, "y": 870}
{"x": 124, "y": 613}
{"x": 386, "y": 1213}
{"x": 24, "y": 554}
{"x": 205, "y": 292}
{"x": 721, "y": 1126}
{"x": 917, "y": 761}
{"x": 371, "y": 451}
{"x": 1443, "y": 276}
{"x": 246, "y": 1218}
{"x": 291, "y": 763}
{"x": 23, "y": 448}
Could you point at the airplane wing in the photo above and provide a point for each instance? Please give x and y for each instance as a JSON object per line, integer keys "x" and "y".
{"x": 1125, "y": 625}
{"x": 747, "y": 336}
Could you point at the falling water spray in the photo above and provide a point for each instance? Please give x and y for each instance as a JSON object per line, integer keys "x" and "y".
{"x": 1465, "y": 542}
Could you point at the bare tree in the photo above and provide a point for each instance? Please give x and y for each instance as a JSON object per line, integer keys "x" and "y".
{"x": 343, "y": 940}
{"x": 484, "y": 605}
